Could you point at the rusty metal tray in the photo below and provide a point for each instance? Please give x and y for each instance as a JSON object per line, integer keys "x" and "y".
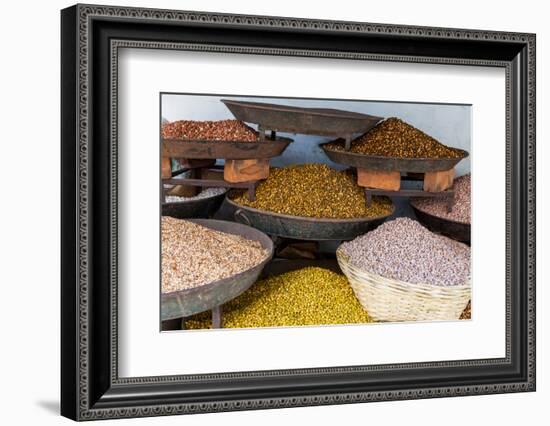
{"x": 374, "y": 162}
{"x": 303, "y": 228}
{"x": 292, "y": 119}
{"x": 183, "y": 303}
{"x": 199, "y": 208}
{"x": 456, "y": 230}
{"x": 229, "y": 150}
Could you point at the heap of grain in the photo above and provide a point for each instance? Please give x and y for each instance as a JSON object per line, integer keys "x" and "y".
{"x": 395, "y": 138}
{"x": 205, "y": 193}
{"x": 221, "y": 130}
{"x": 314, "y": 190}
{"x": 461, "y": 209}
{"x": 308, "y": 296}
{"x": 193, "y": 255}
{"x": 404, "y": 250}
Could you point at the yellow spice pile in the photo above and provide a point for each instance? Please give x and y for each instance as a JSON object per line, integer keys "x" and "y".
{"x": 308, "y": 296}
{"x": 314, "y": 190}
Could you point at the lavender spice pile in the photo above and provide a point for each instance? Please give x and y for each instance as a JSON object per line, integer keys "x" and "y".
{"x": 404, "y": 250}
{"x": 438, "y": 207}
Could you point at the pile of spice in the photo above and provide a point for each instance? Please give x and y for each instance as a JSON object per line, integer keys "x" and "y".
{"x": 314, "y": 190}
{"x": 461, "y": 209}
{"x": 205, "y": 193}
{"x": 222, "y": 130}
{"x": 467, "y": 313}
{"x": 402, "y": 249}
{"x": 308, "y": 296}
{"x": 395, "y": 138}
{"x": 193, "y": 255}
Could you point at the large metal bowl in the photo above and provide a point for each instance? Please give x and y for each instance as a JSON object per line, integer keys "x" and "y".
{"x": 199, "y": 208}
{"x": 450, "y": 228}
{"x": 379, "y": 163}
{"x": 191, "y": 301}
{"x": 303, "y": 228}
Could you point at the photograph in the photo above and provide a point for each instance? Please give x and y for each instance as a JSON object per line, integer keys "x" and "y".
{"x": 294, "y": 212}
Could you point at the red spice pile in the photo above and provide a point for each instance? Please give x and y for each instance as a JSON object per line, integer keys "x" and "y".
{"x": 222, "y": 130}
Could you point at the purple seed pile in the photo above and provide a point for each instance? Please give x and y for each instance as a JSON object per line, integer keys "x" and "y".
{"x": 461, "y": 210}
{"x": 402, "y": 249}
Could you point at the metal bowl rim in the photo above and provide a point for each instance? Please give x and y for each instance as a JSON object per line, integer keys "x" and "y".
{"x": 310, "y": 219}
{"x": 381, "y": 157}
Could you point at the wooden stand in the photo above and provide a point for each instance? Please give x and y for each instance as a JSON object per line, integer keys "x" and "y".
{"x": 246, "y": 170}
{"x": 439, "y": 181}
{"x": 389, "y": 181}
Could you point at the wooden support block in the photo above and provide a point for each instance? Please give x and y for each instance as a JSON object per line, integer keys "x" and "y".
{"x": 246, "y": 170}
{"x": 166, "y": 168}
{"x": 389, "y": 181}
{"x": 438, "y": 181}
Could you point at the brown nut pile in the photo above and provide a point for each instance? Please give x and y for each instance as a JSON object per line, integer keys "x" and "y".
{"x": 193, "y": 255}
{"x": 308, "y": 296}
{"x": 461, "y": 210}
{"x": 395, "y": 138}
{"x": 313, "y": 190}
{"x": 402, "y": 249}
{"x": 222, "y": 130}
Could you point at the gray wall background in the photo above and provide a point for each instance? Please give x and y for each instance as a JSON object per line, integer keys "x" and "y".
{"x": 448, "y": 123}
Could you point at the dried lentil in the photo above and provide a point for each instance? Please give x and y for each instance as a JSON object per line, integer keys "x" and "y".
{"x": 205, "y": 193}
{"x": 193, "y": 255}
{"x": 403, "y": 249}
{"x": 308, "y": 296}
{"x": 395, "y": 138}
{"x": 222, "y": 130}
{"x": 313, "y": 190}
{"x": 461, "y": 206}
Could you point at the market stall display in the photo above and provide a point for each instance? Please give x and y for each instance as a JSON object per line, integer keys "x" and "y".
{"x": 310, "y": 201}
{"x": 401, "y": 271}
{"x": 206, "y": 263}
{"x": 394, "y": 152}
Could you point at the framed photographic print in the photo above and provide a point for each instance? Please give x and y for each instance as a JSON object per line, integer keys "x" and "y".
{"x": 263, "y": 212}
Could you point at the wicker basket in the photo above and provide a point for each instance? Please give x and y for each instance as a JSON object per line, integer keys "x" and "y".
{"x": 391, "y": 300}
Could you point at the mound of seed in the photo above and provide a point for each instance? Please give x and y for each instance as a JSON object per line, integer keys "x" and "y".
{"x": 193, "y": 255}
{"x": 461, "y": 210}
{"x": 222, "y": 130}
{"x": 467, "y": 313}
{"x": 205, "y": 193}
{"x": 402, "y": 249}
{"x": 313, "y": 190}
{"x": 308, "y": 296}
{"x": 395, "y": 138}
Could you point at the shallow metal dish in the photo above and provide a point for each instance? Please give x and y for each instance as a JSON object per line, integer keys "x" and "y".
{"x": 374, "y": 162}
{"x": 191, "y": 301}
{"x": 450, "y": 228}
{"x": 292, "y": 119}
{"x": 229, "y": 150}
{"x": 303, "y": 228}
{"x": 199, "y": 208}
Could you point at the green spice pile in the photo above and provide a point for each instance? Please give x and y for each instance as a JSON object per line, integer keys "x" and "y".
{"x": 222, "y": 130}
{"x": 308, "y": 296}
{"x": 314, "y": 190}
{"x": 395, "y": 138}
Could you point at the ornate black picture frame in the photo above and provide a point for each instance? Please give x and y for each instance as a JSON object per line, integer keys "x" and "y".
{"x": 91, "y": 36}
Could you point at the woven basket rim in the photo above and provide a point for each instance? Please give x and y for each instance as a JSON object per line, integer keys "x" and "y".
{"x": 340, "y": 255}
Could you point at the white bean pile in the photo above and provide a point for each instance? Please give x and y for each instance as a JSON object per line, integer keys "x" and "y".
{"x": 402, "y": 249}
{"x": 193, "y": 255}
